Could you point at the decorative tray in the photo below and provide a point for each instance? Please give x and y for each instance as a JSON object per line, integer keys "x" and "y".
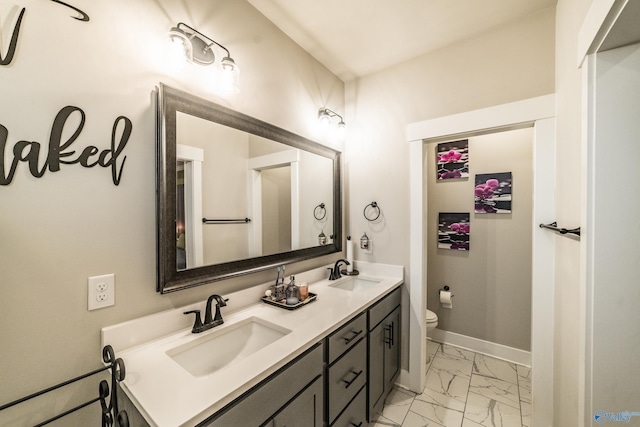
{"x": 282, "y": 304}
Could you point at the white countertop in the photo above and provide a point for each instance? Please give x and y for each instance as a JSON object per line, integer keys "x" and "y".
{"x": 167, "y": 395}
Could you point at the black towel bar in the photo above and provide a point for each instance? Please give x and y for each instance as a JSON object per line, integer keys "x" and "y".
{"x": 225, "y": 221}
{"x": 554, "y": 226}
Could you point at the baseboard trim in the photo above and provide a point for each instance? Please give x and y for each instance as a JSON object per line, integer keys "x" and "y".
{"x": 499, "y": 351}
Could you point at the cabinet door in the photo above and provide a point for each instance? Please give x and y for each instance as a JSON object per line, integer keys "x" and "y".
{"x": 384, "y": 360}
{"x": 305, "y": 410}
{"x": 253, "y": 408}
{"x": 376, "y": 378}
{"x": 392, "y": 349}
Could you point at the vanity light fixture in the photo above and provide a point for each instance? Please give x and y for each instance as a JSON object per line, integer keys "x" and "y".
{"x": 325, "y": 117}
{"x": 198, "y": 48}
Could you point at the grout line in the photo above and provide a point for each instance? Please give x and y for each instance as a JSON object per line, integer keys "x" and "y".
{"x": 469, "y": 388}
{"x": 519, "y": 397}
{"x": 475, "y": 354}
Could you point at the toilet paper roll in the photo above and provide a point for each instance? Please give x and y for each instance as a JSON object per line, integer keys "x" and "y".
{"x": 350, "y": 255}
{"x": 445, "y": 299}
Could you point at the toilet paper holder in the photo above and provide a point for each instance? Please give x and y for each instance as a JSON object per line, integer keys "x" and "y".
{"x": 446, "y": 289}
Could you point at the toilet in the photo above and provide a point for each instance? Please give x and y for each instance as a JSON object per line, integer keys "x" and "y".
{"x": 432, "y": 320}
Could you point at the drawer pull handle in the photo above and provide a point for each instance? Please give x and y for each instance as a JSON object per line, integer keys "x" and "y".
{"x": 390, "y": 340}
{"x": 355, "y": 334}
{"x": 356, "y": 425}
{"x": 348, "y": 383}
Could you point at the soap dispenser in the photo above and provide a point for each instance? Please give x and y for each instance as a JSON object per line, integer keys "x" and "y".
{"x": 293, "y": 293}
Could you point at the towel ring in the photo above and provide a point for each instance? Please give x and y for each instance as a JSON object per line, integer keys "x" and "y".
{"x": 375, "y": 206}
{"x": 320, "y": 212}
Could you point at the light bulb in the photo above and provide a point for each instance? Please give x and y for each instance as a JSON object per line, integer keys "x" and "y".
{"x": 180, "y": 47}
{"x": 229, "y": 76}
{"x": 324, "y": 118}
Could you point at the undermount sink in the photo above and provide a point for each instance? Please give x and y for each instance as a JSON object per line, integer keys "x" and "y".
{"x": 219, "y": 349}
{"x": 355, "y": 283}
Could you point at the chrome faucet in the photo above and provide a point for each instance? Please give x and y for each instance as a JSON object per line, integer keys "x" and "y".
{"x": 209, "y": 320}
{"x": 335, "y": 271}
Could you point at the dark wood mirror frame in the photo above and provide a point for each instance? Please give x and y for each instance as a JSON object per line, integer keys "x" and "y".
{"x": 170, "y": 101}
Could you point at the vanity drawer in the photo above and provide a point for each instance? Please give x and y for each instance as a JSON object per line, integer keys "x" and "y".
{"x": 382, "y": 308}
{"x": 257, "y": 406}
{"x": 356, "y": 413}
{"x": 346, "y": 377}
{"x": 346, "y": 337}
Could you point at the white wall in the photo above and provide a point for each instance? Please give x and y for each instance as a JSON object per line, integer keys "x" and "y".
{"x": 492, "y": 281}
{"x": 509, "y": 63}
{"x": 69, "y": 225}
{"x": 224, "y": 179}
{"x": 315, "y": 171}
{"x": 276, "y": 210}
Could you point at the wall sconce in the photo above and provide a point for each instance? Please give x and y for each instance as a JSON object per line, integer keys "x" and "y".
{"x": 325, "y": 117}
{"x": 193, "y": 46}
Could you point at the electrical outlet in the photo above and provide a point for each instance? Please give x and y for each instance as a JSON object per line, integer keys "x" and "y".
{"x": 369, "y": 249}
{"x": 101, "y": 291}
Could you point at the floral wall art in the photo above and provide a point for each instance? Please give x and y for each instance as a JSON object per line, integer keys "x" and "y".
{"x": 492, "y": 193}
{"x": 453, "y": 231}
{"x": 453, "y": 159}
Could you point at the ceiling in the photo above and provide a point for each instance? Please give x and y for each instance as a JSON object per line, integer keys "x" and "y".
{"x": 354, "y": 38}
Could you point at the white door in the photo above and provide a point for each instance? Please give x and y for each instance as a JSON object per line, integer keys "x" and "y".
{"x": 613, "y": 224}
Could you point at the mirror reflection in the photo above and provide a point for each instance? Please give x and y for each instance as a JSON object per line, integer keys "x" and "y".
{"x": 242, "y": 196}
{"x": 237, "y": 195}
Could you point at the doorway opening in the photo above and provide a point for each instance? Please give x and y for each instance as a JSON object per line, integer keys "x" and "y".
{"x": 490, "y": 271}
{"x": 538, "y": 113}
{"x": 276, "y": 209}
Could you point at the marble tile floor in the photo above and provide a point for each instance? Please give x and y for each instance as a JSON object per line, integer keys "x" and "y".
{"x": 463, "y": 389}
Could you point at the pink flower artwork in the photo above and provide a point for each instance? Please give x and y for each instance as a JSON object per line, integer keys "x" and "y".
{"x": 492, "y": 193}
{"x": 454, "y": 230}
{"x": 449, "y": 156}
{"x": 453, "y": 160}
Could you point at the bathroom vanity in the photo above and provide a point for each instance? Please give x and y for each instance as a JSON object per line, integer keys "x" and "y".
{"x": 331, "y": 362}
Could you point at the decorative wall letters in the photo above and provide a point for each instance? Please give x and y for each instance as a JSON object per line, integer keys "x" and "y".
{"x": 6, "y": 60}
{"x": 83, "y": 16}
{"x": 59, "y": 152}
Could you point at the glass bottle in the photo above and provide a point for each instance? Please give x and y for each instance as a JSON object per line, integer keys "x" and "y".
{"x": 293, "y": 294}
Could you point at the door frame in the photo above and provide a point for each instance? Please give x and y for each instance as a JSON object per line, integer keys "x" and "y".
{"x": 538, "y": 113}
{"x": 192, "y": 158}
{"x": 609, "y": 24}
{"x": 255, "y": 166}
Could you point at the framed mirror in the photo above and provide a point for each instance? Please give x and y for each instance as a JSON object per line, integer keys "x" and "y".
{"x": 236, "y": 195}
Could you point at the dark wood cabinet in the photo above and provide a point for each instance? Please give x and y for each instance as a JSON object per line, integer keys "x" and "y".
{"x": 305, "y": 410}
{"x": 346, "y": 372}
{"x": 384, "y": 351}
{"x": 340, "y": 382}
{"x": 298, "y": 388}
